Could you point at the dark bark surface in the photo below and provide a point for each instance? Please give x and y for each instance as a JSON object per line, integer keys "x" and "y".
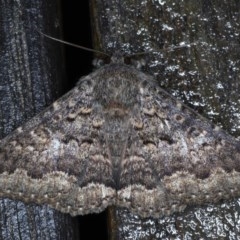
{"x": 31, "y": 76}
{"x": 204, "y": 75}
{"x": 196, "y": 59}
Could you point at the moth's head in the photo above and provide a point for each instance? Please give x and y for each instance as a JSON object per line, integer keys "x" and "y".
{"x": 137, "y": 60}
{"x": 117, "y": 57}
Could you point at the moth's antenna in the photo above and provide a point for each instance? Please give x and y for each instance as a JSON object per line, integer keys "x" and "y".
{"x": 105, "y": 54}
{"x": 72, "y": 44}
{"x": 168, "y": 49}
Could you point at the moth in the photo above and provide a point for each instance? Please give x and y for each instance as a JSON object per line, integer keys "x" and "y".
{"x": 117, "y": 138}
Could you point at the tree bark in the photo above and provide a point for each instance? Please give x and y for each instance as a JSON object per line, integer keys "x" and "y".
{"x": 205, "y": 76}
{"x": 194, "y": 54}
{"x": 31, "y": 77}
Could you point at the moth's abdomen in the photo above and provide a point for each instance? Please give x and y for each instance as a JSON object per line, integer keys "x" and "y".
{"x": 116, "y": 134}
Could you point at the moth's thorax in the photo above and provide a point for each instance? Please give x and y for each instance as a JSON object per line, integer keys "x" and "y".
{"x": 117, "y": 87}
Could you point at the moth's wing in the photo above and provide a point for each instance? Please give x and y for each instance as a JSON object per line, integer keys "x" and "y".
{"x": 176, "y": 159}
{"x": 57, "y": 157}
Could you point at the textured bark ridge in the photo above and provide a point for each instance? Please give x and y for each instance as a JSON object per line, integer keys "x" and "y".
{"x": 119, "y": 139}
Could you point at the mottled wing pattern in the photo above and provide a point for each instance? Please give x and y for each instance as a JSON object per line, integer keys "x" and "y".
{"x": 57, "y": 159}
{"x": 180, "y": 159}
{"x": 117, "y": 138}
